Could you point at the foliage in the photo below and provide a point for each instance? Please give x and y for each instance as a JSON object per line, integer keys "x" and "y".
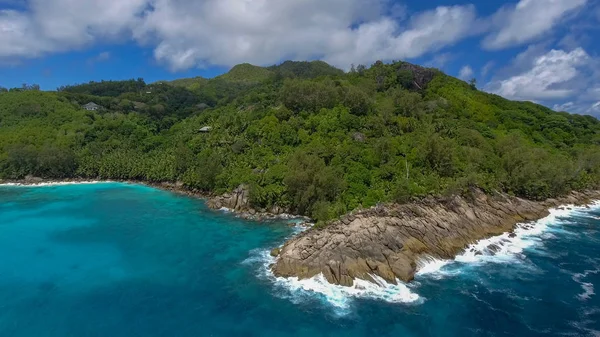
{"x": 302, "y": 135}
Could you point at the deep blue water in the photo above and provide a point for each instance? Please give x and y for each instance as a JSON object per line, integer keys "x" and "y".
{"x": 125, "y": 260}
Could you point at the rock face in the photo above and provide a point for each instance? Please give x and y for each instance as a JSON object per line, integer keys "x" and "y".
{"x": 238, "y": 200}
{"x": 422, "y": 76}
{"x": 388, "y": 240}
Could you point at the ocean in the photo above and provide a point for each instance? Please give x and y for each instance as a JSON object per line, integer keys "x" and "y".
{"x": 116, "y": 260}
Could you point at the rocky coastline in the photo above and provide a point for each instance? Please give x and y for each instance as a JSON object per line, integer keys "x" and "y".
{"x": 236, "y": 201}
{"x": 388, "y": 240}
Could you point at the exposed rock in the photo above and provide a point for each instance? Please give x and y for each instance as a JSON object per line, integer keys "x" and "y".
{"x": 388, "y": 240}
{"x": 275, "y": 252}
{"x": 359, "y": 137}
{"x": 276, "y": 210}
{"x": 422, "y": 76}
{"x": 33, "y": 180}
{"x": 238, "y": 200}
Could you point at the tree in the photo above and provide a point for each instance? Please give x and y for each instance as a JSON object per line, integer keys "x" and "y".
{"x": 310, "y": 137}
{"x": 473, "y": 83}
{"x": 406, "y": 78}
{"x": 303, "y": 95}
{"x": 360, "y": 69}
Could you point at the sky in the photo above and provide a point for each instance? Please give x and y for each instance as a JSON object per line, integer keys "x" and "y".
{"x": 545, "y": 51}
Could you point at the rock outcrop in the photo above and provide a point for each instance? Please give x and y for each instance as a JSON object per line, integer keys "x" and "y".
{"x": 238, "y": 200}
{"x": 388, "y": 240}
{"x": 422, "y": 76}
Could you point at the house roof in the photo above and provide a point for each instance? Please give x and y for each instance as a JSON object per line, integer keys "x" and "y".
{"x": 91, "y": 105}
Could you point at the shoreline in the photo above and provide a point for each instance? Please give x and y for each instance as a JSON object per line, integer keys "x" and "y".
{"x": 392, "y": 241}
{"x": 177, "y": 188}
{"x": 501, "y": 249}
{"x": 414, "y": 249}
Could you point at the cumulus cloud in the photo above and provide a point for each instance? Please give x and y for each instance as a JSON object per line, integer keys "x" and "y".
{"x": 527, "y": 21}
{"x": 233, "y": 31}
{"x": 561, "y": 79}
{"x": 582, "y": 108}
{"x": 47, "y": 26}
{"x": 190, "y": 33}
{"x": 546, "y": 79}
{"x": 465, "y": 73}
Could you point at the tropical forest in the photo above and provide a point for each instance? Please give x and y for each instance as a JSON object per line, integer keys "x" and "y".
{"x": 304, "y": 136}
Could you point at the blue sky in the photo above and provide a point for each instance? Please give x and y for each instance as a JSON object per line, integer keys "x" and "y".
{"x": 546, "y": 51}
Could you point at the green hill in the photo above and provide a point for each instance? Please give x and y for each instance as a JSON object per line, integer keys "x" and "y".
{"x": 305, "y": 69}
{"x": 247, "y": 73}
{"x": 189, "y": 83}
{"x": 304, "y": 136}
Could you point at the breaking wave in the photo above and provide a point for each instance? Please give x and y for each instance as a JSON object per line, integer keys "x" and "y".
{"x": 505, "y": 248}
{"x": 338, "y": 296}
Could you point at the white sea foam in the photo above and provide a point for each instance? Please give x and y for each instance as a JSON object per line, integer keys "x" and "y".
{"x": 588, "y": 288}
{"x": 588, "y": 291}
{"x": 502, "y": 248}
{"x": 430, "y": 265}
{"x": 339, "y": 296}
{"x": 56, "y": 183}
{"x": 506, "y": 247}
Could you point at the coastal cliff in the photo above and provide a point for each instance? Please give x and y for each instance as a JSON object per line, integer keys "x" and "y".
{"x": 389, "y": 240}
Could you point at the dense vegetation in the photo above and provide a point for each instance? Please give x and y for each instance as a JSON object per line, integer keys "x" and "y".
{"x": 302, "y": 135}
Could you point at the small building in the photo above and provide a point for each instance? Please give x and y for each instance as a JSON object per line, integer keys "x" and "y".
{"x": 91, "y": 106}
{"x": 205, "y": 129}
{"x": 202, "y": 106}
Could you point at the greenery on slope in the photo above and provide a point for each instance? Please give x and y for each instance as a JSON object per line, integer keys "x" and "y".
{"x": 303, "y": 135}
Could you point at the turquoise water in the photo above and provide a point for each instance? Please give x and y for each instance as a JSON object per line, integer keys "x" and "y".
{"x": 126, "y": 260}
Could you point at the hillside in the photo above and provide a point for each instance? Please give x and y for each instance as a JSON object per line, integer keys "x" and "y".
{"x": 247, "y": 73}
{"x": 304, "y": 136}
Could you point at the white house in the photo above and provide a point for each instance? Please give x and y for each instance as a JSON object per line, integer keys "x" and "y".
{"x": 91, "y": 106}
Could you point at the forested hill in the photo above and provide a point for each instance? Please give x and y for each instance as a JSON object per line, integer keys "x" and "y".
{"x": 302, "y": 135}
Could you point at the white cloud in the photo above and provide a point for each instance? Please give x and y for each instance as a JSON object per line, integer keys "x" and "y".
{"x": 465, "y": 73}
{"x": 102, "y": 57}
{"x": 487, "y": 67}
{"x": 527, "y": 21}
{"x": 582, "y": 108}
{"x": 568, "y": 106}
{"x": 440, "y": 60}
{"x": 426, "y": 32}
{"x": 547, "y": 79}
{"x": 61, "y": 25}
{"x": 561, "y": 79}
{"x": 189, "y": 33}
